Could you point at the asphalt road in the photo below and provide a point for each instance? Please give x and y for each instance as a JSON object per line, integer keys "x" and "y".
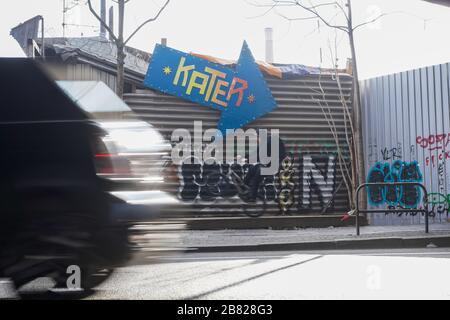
{"x": 287, "y": 275}
{"x": 367, "y": 274}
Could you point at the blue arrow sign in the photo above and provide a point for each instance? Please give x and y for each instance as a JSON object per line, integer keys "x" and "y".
{"x": 241, "y": 94}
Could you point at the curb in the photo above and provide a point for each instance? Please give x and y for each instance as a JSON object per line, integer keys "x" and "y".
{"x": 344, "y": 244}
{"x": 272, "y": 222}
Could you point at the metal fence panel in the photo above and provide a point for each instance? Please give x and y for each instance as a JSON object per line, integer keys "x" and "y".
{"x": 407, "y": 122}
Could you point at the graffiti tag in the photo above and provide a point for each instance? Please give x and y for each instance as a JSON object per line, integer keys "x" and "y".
{"x": 202, "y": 182}
{"x": 391, "y": 154}
{"x": 434, "y": 141}
{"x": 318, "y": 179}
{"x": 398, "y": 171}
{"x": 316, "y": 182}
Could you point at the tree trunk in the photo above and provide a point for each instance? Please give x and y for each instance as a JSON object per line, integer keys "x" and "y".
{"x": 120, "y": 70}
{"x": 357, "y": 115}
{"x": 120, "y": 51}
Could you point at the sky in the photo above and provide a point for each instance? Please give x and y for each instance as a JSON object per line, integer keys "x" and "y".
{"x": 413, "y": 34}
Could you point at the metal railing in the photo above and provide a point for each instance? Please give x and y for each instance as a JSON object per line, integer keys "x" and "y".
{"x": 402, "y": 210}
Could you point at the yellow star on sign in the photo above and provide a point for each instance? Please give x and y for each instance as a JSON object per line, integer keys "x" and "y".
{"x": 167, "y": 71}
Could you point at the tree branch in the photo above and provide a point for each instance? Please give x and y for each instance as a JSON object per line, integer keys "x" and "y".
{"x": 311, "y": 9}
{"x": 288, "y": 3}
{"x": 296, "y": 19}
{"x": 342, "y": 9}
{"x": 111, "y": 32}
{"x": 314, "y": 12}
{"x": 147, "y": 21}
{"x": 271, "y": 7}
{"x": 375, "y": 19}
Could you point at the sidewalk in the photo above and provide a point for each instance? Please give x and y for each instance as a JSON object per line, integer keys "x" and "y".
{"x": 314, "y": 238}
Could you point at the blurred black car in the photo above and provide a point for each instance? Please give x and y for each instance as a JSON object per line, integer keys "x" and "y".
{"x": 69, "y": 181}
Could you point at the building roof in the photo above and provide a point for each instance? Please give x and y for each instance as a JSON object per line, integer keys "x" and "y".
{"x": 102, "y": 52}
{"x": 100, "y": 49}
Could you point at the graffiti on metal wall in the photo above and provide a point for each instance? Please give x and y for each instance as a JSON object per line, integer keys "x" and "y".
{"x": 387, "y": 154}
{"x": 435, "y": 142}
{"x": 434, "y": 160}
{"x": 317, "y": 180}
{"x": 316, "y": 188}
{"x": 286, "y": 197}
{"x": 440, "y": 203}
{"x": 437, "y": 145}
{"x": 205, "y": 182}
{"x": 391, "y": 154}
{"x": 409, "y": 197}
{"x": 317, "y": 175}
{"x": 398, "y": 171}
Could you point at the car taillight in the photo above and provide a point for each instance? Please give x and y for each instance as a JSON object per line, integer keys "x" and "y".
{"x": 103, "y": 164}
{"x": 108, "y": 163}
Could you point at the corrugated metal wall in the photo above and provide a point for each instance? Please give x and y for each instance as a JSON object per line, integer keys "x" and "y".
{"x": 91, "y": 71}
{"x": 407, "y": 131}
{"x": 83, "y": 72}
{"x": 303, "y": 127}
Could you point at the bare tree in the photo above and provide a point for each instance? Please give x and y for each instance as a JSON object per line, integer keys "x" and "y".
{"x": 315, "y": 10}
{"x": 344, "y": 150}
{"x": 120, "y": 40}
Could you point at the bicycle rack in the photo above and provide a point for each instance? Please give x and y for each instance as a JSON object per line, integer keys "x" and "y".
{"x": 365, "y": 185}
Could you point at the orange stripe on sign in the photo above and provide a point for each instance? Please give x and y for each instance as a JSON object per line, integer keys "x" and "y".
{"x": 264, "y": 66}
{"x": 270, "y": 69}
{"x": 214, "y": 59}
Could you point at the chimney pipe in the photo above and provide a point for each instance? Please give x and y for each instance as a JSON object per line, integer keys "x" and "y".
{"x": 164, "y": 42}
{"x": 269, "y": 45}
{"x": 103, "y": 17}
{"x": 111, "y": 21}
